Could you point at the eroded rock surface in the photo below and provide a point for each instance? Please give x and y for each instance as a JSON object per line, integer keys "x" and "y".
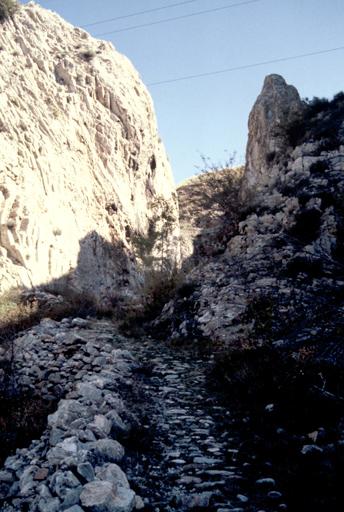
{"x": 81, "y": 160}
{"x": 280, "y": 276}
{"x": 276, "y": 108}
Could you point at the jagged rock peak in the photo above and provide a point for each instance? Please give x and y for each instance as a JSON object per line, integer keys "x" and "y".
{"x": 81, "y": 158}
{"x": 277, "y": 106}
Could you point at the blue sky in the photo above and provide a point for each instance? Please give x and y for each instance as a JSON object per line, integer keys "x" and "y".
{"x": 209, "y": 115}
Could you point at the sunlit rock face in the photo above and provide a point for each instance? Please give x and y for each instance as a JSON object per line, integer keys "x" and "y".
{"x": 81, "y": 161}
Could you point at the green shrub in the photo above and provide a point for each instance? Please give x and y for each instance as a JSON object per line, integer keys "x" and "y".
{"x": 7, "y": 9}
{"x": 322, "y": 122}
{"x": 158, "y": 289}
{"x": 152, "y": 251}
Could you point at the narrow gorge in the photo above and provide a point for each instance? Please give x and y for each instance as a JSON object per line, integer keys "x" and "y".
{"x": 163, "y": 348}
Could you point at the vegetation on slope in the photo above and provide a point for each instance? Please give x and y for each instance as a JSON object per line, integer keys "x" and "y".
{"x": 286, "y": 381}
{"x": 22, "y": 309}
{"x": 323, "y": 120}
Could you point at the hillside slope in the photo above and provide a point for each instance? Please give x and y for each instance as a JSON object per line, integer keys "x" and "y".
{"x": 280, "y": 277}
{"x": 206, "y": 212}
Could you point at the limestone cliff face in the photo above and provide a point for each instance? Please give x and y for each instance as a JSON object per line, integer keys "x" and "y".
{"x": 81, "y": 162}
{"x": 277, "y": 106}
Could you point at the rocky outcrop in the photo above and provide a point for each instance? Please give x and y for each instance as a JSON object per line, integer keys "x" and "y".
{"x": 76, "y": 460}
{"x": 81, "y": 160}
{"x": 281, "y": 275}
{"x": 277, "y": 106}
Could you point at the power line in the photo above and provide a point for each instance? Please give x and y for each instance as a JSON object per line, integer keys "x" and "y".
{"x": 139, "y": 13}
{"x": 245, "y": 66}
{"x": 175, "y": 18}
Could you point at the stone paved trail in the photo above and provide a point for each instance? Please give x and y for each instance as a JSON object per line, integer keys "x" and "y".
{"x": 186, "y": 457}
{"x": 184, "y": 451}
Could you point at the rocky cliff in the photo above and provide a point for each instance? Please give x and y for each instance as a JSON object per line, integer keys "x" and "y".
{"x": 280, "y": 276}
{"x": 82, "y": 164}
{"x": 276, "y": 108}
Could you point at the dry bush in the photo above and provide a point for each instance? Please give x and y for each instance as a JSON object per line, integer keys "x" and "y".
{"x": 284, "y": 401}
{"x": 322, "y": 121}
{"x": 304, "y": 390}
{"x": 159, "y": 288}
{"x": 222, "y": 195}
{"x": 223, "y": 182}
{"x": 14, "y": 315}
{"x": 22, "y": 418}
{"x": 20, "y": 310}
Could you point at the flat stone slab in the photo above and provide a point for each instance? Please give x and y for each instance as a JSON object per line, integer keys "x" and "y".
{"x": 102, "y": 496}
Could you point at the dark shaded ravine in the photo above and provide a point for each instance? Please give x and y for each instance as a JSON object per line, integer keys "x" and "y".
{"x": 183, "y": 455}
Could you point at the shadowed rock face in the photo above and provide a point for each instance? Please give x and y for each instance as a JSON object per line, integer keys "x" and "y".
{"x": 80, "y": 156}
{"x": 277, "y": 106}
{"x": 280, "y": 276}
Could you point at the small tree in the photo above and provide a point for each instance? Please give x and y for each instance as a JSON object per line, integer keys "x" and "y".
{"x": 153, "y": 249}
{"x": 7, "y": 9}
{"x": 221, "y": 193}
{"x": 164, "y": 224}
{"x": 223, "y": 182}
